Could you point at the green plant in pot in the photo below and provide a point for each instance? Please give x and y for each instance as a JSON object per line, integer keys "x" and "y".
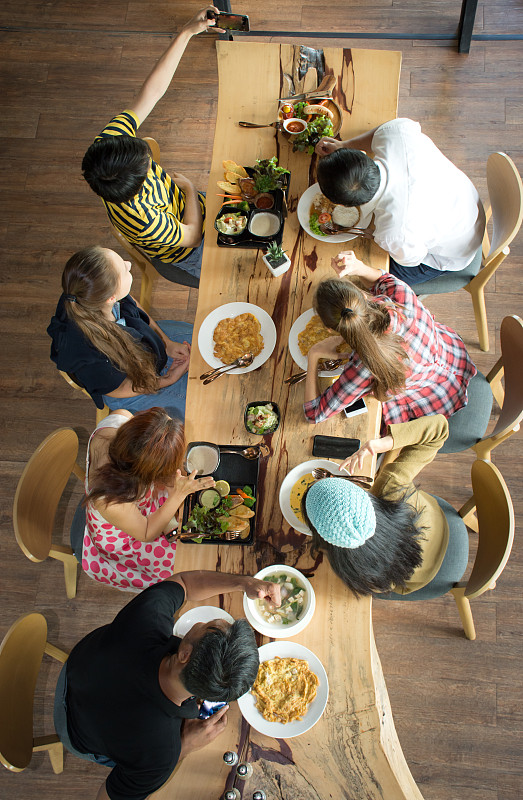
{"x": 276, "y": 259}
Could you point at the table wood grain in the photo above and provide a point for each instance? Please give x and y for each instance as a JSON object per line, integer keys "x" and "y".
{"x": 353, "y": 751}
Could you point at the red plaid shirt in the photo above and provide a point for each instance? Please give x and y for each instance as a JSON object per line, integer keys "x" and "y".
{"x": 439, "y": 367}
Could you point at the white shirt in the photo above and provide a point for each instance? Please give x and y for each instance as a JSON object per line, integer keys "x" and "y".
{"x": 426, "y": 211}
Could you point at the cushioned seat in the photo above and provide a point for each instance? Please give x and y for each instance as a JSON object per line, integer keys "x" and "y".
{"x": 450, "y": 281}
{"x": 468, "y": 425}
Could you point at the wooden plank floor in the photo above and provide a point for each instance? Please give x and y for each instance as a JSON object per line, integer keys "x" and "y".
{"x": 65, "y": 68}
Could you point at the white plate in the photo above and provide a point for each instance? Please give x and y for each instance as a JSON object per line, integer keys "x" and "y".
{"x": 289, "y": 481}
{"x": 294, "y": 348}
{"x": 304, "y": 207}
{"x": 205, "y": 334}
{"x": 199, "y": 614}
{"x": 278, "y": 730}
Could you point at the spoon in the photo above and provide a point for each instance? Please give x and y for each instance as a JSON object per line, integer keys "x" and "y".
{"x": 328, "y": 364}
{"x": 320, "y": 472}
{"x": 276, "y": 124}
{"x": 243, "y": 361}
{"x": 250, "y": 453}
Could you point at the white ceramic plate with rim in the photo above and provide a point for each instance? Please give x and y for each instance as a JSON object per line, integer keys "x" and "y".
{"x": 205, "y": 334}
{"x": 303, "y": 211}
{"x": 294, "y": 348}
{"x": 289, "y": 481}
{"x": 199, "y": 614}
{"x": 279, "y": 730}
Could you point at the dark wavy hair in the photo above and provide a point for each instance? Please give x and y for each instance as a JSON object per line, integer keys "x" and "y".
{"x": 348, "y": 177}
{"x": 387, "y": 559}
{"x": 146, "y": 449}
{"x": 115, "y": 167}
{"x": 223, "y": 664}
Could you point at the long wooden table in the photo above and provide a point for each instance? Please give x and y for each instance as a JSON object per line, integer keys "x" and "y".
{"x": 353, "y": 751}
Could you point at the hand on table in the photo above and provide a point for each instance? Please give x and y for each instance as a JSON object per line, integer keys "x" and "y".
{"x": 346, "y": 265}
{"x": 371, "y": 448}
{"x": 264, "y": 590}
{"x": 178, "y": 351}
{"x": 198, "y": 733}
{"x": 200, "y": 23}
{"x": 327, "y": 145}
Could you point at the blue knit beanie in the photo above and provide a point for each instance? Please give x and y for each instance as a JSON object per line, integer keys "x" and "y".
{"x": 341, "y": 512}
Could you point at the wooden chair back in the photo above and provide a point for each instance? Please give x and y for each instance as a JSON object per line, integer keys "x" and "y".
{"x": 38, "y": 493}
{"x": 101, "y": 413}
{"x": 506, "y": 202}
{"x": 509, "y": 398}
{"x": 139, "y": 258}
{"x": 495, "y": 514}
{"x": 21, "y": 653}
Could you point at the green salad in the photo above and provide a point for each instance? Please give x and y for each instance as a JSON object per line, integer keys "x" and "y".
{"x": 261, "y": 419}
{"x": 314, "y": 225}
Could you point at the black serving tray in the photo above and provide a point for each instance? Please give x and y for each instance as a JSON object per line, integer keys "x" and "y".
{"x": 238, "y": 472}
{"x": 246, "y": 241}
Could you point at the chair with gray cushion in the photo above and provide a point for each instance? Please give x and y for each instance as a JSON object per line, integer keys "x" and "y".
{"x": 506, "y": 211}
{"x": 495, "y": 527}
{"x": 467, "y": 427}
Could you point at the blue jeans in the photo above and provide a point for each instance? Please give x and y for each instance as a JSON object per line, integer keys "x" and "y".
{"x": 60, "y": 723}
{"x": 186, "y": 272}
{"x": 172, "y": 398}
{"x": 413, "y": 275}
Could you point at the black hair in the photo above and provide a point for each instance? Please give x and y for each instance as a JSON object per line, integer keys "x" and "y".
{"x": 386, "y": 559}
{"x": 348, "y": 177}
{"x": 223, "y": 664}
{"x": 115, "y": 167}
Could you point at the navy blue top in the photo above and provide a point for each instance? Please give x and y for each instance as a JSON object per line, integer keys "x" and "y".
{"x": 87, "y": 366}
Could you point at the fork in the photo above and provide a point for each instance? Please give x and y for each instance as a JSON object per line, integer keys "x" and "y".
{"x": 329, "y": 365}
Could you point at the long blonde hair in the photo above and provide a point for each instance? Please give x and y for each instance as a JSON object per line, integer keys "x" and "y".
{"x": 364, "y": 324}
{"x": 90, "y": 277}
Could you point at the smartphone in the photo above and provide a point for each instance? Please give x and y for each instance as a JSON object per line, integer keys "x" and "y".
{"x": 208, "y": 708}
{"x": 356, "y": 408}
{"x": 230, "y": 22}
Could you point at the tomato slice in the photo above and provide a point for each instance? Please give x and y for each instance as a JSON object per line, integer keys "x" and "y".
{"x": 323, "y": 218}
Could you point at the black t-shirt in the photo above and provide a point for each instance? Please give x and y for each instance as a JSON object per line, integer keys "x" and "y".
{"x": 115, "y": 706}
{"x": 74, "y": 354}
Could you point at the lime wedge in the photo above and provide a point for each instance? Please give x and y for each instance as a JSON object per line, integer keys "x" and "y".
{"x": 222, "y": 487}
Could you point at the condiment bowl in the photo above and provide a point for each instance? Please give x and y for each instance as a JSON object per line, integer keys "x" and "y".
{"x": 268, "y": 216}
{"x": 276, "y": 630}
{"x": 195, "y": 446}
{"x": 294, "y": 125}
{"x": 255, "y": 403}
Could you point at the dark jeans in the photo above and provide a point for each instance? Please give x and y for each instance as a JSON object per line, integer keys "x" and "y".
{"x": 60, "y": 723}
{"x": 413, "y": 275}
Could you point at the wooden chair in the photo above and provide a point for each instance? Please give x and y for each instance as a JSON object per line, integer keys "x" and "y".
{"x": 21, "y": 653}
{"x": 491, "y": 514}
{"x": 506, "y": 209}
{"x": 36, "y": 501}
{"x": 101, "y": 413}
{"x": 468, "y": 425}
{"x": 495, "y": 526}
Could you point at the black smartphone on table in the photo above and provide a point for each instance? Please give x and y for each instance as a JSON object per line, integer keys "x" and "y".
{"x": 230, "y": 22}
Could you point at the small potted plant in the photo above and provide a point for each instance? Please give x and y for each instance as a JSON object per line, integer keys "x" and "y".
{"x": 276, "y": 259}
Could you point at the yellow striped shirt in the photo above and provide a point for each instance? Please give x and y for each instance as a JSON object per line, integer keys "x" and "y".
{"x": 152, "y": 218}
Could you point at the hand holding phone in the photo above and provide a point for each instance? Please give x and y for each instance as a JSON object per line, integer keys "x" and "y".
{"x": 230, "y": 22}
{"x": 208, "y": 708}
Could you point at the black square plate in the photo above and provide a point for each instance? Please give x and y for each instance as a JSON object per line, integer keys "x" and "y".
{"x": 238, "y": 472}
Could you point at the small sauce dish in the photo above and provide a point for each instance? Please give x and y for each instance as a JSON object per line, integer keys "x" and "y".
{"x": 294, "y": 125}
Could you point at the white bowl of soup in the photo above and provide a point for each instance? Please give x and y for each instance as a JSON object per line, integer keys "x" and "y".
{"x": 296, "y": 610}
